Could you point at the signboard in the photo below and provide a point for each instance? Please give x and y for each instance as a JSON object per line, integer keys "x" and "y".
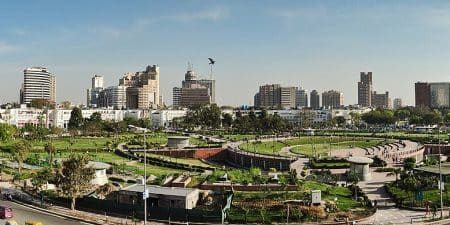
{"x": 419, "y": 196}
{"x": 145, "y": 194}
{"x": 316, "y": 197}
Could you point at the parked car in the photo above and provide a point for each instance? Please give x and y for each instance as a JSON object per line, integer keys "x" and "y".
{"x": 11, "y": 222}
{"x": 6, "y": 212}
{"x": 33, "y": 223}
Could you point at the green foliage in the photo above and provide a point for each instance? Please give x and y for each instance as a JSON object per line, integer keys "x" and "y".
{"x": 75, "y": 177}
{"x": 20, "y": 152}
{"x": 409, "y": 164}
{"x": 379, "y": 116}
{"x": 41, "y": 178}
{"x": 7, "y": 132}
{"x": 207, "y": 116}
{"x": 76, "y": 119}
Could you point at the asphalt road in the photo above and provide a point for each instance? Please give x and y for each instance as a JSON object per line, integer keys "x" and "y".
{"x": 22, "y": 214}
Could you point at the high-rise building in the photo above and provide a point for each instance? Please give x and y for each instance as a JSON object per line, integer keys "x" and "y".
{"x": 38, "y": 83}
{"x": 114, "y": 96}
{"x": 93, "y": 93}
{"x": 302, "y": 98}
{"x": 439, "y": 95}
{"x": 269, "y": 96}
{"x": 194, "y": 91}
{"x": 287, "y": 97}
{"x": 398, "y": 103}
{"x": 365, "y": 89}
{"x": 142, "y": 88}
{"x": 315, "y": 100}
{"x": 332, "y": 99}
{"x": 176, "y": 96}
{"x": 381, "y": 100}
{"x": 422, "y": 92}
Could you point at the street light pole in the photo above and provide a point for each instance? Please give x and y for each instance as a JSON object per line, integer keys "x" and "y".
{"x": 440, "y": 173}
{"x": 145, "y": 177}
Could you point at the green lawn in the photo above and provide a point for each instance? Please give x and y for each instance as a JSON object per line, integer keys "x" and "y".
{"x": 321, "y": 144}
{"x": 249, "y": 206}
{"x": 268, "y": 147}
{"x": 309, "y": 149}
{"x": 186, "y": 161}
{"x": 239, "y": 137}
{"x": 430, "y": 195}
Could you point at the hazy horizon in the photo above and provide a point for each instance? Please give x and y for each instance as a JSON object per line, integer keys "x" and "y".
{"x": 320, "y": 45}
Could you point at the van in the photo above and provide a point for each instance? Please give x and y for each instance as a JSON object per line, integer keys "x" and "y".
{"x": 6, "y": 212}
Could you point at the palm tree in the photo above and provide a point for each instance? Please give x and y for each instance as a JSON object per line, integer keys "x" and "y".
{"x": 20, "y": 152}
{"x": 50, "y": 149}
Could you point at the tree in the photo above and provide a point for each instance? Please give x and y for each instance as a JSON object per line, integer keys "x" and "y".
{"x": 20, "y": 153}
{"x": 227, "y": 120}
{"x": 340, "y": 120}
{"x": 50, "y": 149}
{"x": 105, "y": 190}
{"x": 41, "y": 103}
{"x": 355, "y": 118}
{"x": 409, "y": 164}
{"x": 76, "y": 119}
{"x": 66, "y": 104}
{"x": 75, "y": 177}
{"x": 353, "y": 178}
{"x": 41, "y": 178}
{"x": 96, "y": 117}
{"x": 7, "y": 132}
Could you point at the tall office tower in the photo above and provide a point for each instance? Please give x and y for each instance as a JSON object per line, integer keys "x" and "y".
{"x": 301, "y": 98}
{"x": 176, "y": 96}
{"x": 114, "y": 96}
{"x": 381, "y": 100}
{"x": 439, "y": 95}
{"x": 194, "y": 91}
{"x": 38, "y": 83}
{"x": 332, "y": 99}
{"x": 93, "y": 93}
{"x": 257, "y": 100}
{"x": 97, "y": 81}
{"x": 142, "y": 88}
{"x": 398, "y": 103}
{"x": 314, "y": 100}
{"x": 365, "y": 89}
{"x": 287, "y": 97}
{"x": 422, "y": 92}
{"x": 269, "y": 96}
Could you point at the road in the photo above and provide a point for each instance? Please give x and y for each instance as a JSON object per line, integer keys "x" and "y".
{"x": 22, "y": 214}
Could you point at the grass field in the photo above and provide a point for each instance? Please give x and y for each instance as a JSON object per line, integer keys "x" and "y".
{"x": 268, "y": 148}
{"x": 254, "y": 206}
{"x": 305, "y": 145}
{"x": 121, "y": 163}
{"x": 309, "y": 149}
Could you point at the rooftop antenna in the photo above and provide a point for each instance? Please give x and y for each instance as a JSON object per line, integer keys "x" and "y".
{"x": 211, "y": 63}
{"x": 190, "y": 66}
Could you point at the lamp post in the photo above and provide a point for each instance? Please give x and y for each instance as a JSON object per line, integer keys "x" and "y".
{"x": 145, "y": 192}
{"x": 440, "y": 173}
{"x": 145, "y": 177}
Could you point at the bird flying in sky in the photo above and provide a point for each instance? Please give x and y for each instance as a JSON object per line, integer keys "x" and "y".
{"x": 211, "y": 61}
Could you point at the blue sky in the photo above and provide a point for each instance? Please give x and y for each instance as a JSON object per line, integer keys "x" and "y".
{"x": 319, "y": 45}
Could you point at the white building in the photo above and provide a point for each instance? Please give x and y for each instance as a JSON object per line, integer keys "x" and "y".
{"x": 38, "y": 83}
{"x": 346, "y": 113}
{"x": 164, "y": 118}
{"x": 22, "y": 116}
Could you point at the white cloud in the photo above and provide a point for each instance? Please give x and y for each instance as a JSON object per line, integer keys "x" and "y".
{"x": 211, "y": 14}
{"x": 7, "y": 48}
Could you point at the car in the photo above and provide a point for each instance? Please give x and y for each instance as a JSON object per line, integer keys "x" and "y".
{"x": 6, "y": 212}
{"x": 33, "y": 223}
{"x": 11, "y": 222}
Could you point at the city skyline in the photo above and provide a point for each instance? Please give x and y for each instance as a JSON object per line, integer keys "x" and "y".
{"x": 315, "y": 45}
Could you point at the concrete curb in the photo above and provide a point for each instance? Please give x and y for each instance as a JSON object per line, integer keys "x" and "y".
{"x": 56, "y": 213}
